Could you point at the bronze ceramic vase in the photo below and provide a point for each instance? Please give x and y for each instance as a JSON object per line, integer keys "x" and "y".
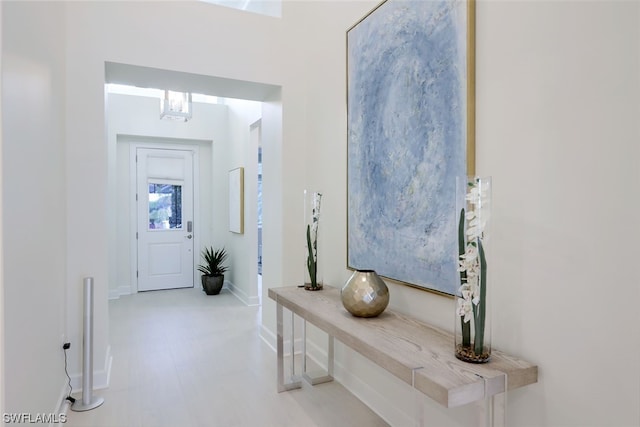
{"x": 365, "y": 294}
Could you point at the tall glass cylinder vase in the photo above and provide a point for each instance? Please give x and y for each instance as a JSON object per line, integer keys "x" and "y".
{"x": 473, "y": 307}
{"x": 313, "y": 241}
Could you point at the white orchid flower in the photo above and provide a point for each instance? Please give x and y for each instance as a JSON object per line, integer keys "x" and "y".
{"x": 464, "y": 310}
{"x": 476, "y": 299}
{"x": 471, "y": 252}
{"x": 472, "y": 194}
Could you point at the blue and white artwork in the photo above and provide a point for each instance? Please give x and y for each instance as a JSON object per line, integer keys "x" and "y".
{"x": 407, "y": 139}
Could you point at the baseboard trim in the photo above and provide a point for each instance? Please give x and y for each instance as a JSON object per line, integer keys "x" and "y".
{"x": 241, "y": 295}
{"x": 268, "y": 337}
{"x": 101, "y": 378}
{"x": 119, "y": 291}
{"x": 365, "y": 392}
{"x": 62, "y": 406}
{"x": 371, "y": 396}
{"x": 100, "y": 381}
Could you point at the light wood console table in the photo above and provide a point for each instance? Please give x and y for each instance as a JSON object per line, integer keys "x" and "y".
{"x": 418, "y": 354}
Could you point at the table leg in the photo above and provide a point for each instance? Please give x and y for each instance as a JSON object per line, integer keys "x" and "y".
{"x": 493, "y": 408}
{"x": 499, "y": 410}
{"x": 293, "y": 383}
{"x": 418, "y": 398}
{"x": 317, "y": 378}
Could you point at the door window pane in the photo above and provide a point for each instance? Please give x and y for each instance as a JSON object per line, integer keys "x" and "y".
{"x": 165, "y": 206}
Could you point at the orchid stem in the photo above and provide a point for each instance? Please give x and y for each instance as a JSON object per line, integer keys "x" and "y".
{"x": 311, "y": 262}
{"x": 465, "y": 326}
{"x": 482, "y": 305}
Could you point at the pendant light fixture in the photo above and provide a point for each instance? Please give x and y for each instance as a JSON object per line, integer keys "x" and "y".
{"x": 176, "y": 106}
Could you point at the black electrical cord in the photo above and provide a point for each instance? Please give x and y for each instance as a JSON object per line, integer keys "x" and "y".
{"x": 69, "y": 398}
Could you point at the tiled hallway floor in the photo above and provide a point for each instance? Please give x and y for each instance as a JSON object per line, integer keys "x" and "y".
{"x": 182, "y": 358}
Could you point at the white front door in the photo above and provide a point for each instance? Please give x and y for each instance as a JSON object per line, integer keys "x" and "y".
{"x": 165, "y": 218}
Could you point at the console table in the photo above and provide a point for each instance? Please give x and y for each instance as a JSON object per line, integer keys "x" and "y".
{"x": 418, "y": 354}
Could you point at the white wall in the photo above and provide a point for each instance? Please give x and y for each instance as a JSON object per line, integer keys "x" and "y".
{"x": 568, "y": 138}
{"x": 557, "y": 109}
{"x": 33, "y": 206}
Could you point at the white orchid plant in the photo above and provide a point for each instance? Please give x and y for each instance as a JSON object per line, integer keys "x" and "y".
{"x": 312, "y": 241}
{"x": 472, "y": 264}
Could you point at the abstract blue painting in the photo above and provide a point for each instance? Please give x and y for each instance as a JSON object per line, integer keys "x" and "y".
{"x": 407, "y": 140}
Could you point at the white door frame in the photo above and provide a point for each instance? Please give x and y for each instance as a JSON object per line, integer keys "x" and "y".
{"x": 133, "y": 219}
{"x": 251, "y": 209}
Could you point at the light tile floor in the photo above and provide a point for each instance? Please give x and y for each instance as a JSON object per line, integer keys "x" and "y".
{"x": 182, "y": 358}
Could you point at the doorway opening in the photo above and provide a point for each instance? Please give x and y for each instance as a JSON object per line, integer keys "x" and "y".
{"x": 157, "y": 211}
{"x": 235, "y": 110}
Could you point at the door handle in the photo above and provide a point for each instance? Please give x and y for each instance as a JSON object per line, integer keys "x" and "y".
{"x": 189, "y": 236}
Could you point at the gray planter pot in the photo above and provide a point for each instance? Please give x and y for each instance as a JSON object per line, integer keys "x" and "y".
{"x": 212, "y": 284}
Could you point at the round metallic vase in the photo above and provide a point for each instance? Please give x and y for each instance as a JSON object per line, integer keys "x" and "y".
{"x": 365, "y": 294}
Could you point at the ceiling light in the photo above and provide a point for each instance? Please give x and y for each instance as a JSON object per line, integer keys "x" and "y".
{"x": 176, "y": 106}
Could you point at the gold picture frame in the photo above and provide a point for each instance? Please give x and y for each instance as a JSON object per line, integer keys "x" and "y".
{"x": 236, "y": 200}
{"x": 405, "y": 127}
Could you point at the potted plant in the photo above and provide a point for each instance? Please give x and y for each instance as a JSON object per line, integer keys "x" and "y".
{"x": 213, "y": 270}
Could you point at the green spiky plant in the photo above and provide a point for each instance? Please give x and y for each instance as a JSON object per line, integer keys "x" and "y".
{"x": 214, "y": 262}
